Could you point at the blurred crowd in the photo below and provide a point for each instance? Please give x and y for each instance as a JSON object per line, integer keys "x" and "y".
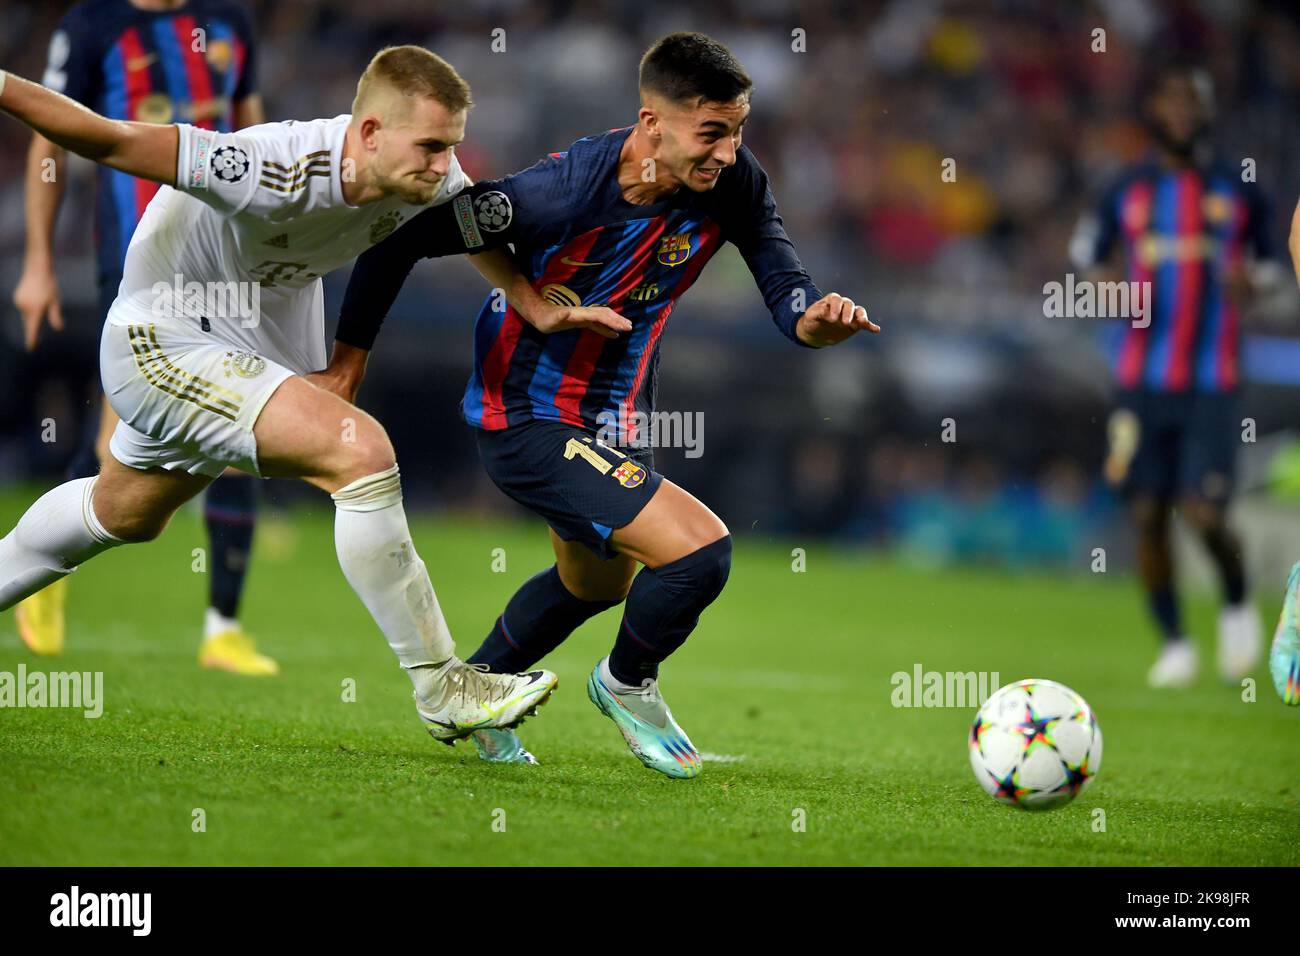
{"x": 859, "y": 108}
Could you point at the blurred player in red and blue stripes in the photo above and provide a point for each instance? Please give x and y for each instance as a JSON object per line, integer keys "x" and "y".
{"x": 1186, "y": 225}
{"x": 153, "y": 61}
{"x": 608, "y": 235}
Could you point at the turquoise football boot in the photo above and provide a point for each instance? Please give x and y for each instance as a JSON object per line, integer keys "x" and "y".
{"x": 501, "y": 746}
{"x": 647, "y": 725}
{"x": 1284, "y": 658}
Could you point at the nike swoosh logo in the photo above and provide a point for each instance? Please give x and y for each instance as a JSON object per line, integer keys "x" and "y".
{"x": 141, "y": 62}
{"x": 569, "y": 262}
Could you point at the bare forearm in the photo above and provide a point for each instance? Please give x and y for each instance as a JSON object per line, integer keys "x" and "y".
{"x": 140, "y": 149}
{"x": 344, "y": 373}
{"x": 499, "y": 268}
{"x": 46, "y": 163}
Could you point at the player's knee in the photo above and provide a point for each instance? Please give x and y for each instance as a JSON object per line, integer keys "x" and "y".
{"x": 606, "y": 589}
{"x": 1207, "y": 518}
{"x": 368, "y": 453}
{"x": 1150, "y": 515}
{"x": 708, "y": 568}
{"x": 134, "y": 528}
{"x": 706, "y": 528}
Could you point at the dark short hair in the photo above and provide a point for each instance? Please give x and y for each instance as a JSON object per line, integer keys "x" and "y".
{"x": 693, "y": 67}
{"x": 1177, "y": 66}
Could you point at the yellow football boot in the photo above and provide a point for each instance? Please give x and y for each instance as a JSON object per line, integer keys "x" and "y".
{"x": 40, "y": 619}
{"x": 233, "y": 650}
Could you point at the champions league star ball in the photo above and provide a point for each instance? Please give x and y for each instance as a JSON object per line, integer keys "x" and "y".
{"x": 1035, "y": 744}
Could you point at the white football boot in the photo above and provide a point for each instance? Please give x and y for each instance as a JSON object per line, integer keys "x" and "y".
{"x": 1241, "y": 641}
{"x": 1176, "y": 665}
{"x": 468, "y": 698}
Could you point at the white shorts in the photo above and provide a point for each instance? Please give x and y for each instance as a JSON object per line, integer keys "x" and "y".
{"x": 185, "y": 400}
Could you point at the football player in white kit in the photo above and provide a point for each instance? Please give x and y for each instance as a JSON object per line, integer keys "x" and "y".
{"x": 211, "y": 350}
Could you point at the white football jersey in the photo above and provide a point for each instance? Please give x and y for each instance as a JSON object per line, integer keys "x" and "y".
{"x": 237, "y": 249}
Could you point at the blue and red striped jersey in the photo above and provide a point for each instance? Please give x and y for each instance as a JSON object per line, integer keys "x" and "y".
{"x": 187, "y": 65}
{"x": 582, "y": 244}
{"x": 1186, "y": 232}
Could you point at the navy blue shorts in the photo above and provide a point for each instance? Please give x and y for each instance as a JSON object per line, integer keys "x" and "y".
{"x": 584, "y": 489}
{"x": 1186, "y": 444}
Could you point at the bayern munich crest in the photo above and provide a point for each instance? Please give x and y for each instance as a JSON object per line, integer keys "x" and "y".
{"x": 230, "y": 164}
{"x": 244, "y": 364}
{"x": 383, "y": 226}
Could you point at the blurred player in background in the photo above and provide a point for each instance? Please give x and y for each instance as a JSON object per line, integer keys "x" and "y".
{"x": 230, "y": 377}
{"x": 1184, "y": 223}
{"x": 622, "y": 221}
{"x": 152, "y": 61}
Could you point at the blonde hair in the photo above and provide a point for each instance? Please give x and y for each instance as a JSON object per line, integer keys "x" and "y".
{"x": 412, "y": 71}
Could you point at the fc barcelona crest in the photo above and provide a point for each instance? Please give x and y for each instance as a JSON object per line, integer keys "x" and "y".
{"x": 629, "y": 474}
{"x": 674, "y": 250}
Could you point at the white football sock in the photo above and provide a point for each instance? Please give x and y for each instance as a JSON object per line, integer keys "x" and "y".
{"x": 613, "y": 683}
{"x": 57, "y": 533}
{"x": 214, "y": 622}
{"x": 379, "y": 560}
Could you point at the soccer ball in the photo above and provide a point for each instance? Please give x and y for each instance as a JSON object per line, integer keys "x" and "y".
{"x": 1035, "y": 744}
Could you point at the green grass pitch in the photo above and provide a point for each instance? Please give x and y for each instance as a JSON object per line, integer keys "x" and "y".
{"x": 788, "y": 676}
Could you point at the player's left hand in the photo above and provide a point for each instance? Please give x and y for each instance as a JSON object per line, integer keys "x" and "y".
{"x": 832, "y": 319}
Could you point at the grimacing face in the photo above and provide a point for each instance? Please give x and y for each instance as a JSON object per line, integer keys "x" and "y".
{"x": 413, "y": 151}
{"x": 694, "y": 141}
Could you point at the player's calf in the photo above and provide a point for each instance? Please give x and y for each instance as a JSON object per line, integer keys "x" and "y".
{"x": 663, "y": 608}
{"x": 56, "y": 534}
{"x": 136, "y": 506}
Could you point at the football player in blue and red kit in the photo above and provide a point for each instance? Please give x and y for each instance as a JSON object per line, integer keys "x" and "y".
{"x": 607, "y": 236}
{"x": 152, "y": 61}
{"x": 1185, "y": 225}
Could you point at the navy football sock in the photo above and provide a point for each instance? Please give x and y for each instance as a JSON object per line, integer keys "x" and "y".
{"x": 1164, "y": 606}
{"x": 230, "y": 511}
{"x": 663, "y": 608}
{"x": 542, "y": 613}
{"x": 1226, "y": 551}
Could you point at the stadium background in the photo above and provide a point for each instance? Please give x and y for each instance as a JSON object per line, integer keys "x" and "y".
{"x": 853, "y": 132}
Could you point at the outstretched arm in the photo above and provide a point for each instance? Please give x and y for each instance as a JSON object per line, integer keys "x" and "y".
{"x": 141, "y": 149}
{"x": 798, "y": 308}
{"x": 498, "y": 266}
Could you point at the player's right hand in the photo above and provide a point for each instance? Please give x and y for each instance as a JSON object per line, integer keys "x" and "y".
{"x": 594, "y": 318}
{"x": 36, "y": 297}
